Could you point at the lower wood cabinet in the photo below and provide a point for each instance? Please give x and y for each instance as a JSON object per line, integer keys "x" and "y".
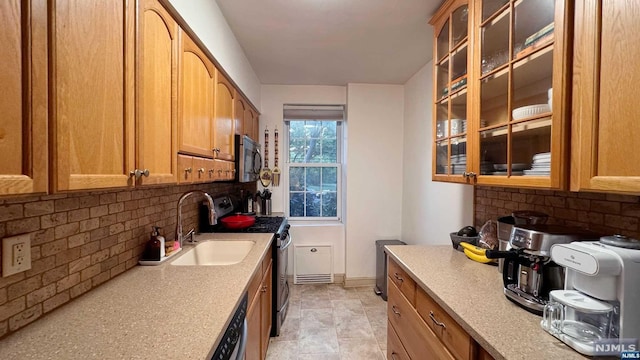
{"x": 259, "y": 314}
{"x": 418, "y": 328}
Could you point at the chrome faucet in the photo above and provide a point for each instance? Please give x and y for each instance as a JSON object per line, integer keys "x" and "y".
{"x": 213, "y": 219}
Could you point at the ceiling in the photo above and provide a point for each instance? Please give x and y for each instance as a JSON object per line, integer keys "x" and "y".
{"x": 333, "y": 42}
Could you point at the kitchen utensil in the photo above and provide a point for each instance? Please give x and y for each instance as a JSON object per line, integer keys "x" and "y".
{"x": 265, "y": 173}
{"x": 275, "y": 180}
{"x": 238, "y": 221}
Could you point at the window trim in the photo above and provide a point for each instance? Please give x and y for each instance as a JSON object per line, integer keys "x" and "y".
{"x": 339, "y": 164}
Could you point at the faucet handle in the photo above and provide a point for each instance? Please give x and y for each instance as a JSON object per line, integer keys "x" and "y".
{"x": 190, "y": 236}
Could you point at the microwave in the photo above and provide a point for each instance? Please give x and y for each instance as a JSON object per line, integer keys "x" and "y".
{"x": 248, "y": 159}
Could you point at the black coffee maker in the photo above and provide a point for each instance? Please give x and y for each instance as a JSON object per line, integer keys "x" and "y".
{"x": 528, "y": 272}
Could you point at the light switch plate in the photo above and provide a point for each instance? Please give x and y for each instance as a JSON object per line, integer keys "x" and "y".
{"x": 16, "y": 254}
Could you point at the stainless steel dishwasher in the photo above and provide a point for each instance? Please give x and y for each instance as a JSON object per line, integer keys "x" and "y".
{"x": 233, "y": 343}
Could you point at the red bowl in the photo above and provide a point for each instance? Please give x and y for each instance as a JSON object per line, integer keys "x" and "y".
{"x": 238, "y": 221}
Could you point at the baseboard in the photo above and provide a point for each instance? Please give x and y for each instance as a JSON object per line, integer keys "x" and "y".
{"x": 356, "y": 282}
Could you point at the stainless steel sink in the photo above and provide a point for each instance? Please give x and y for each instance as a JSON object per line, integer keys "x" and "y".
{"x": 215, "y": 252}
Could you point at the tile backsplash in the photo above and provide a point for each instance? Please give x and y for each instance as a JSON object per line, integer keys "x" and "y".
{"x": 604, "y": 213}
{"x": 81, "y": 240}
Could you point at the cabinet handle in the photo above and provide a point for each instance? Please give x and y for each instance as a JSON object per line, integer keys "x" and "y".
{"x": 438, "y": 323}
{"x": 210, "y": 171}
{"x": 188, "y": 170}
{"x": 393, "y": 355}
{"x": 264, "y": 288}
{"x": 219, "y": 172}
{"x": 395, "y": 310}
{"x": 472, "y": 174}
{"x": 137, "y": 173}
{"x": 398, "y": 277}
{"x": 201, "y": 170}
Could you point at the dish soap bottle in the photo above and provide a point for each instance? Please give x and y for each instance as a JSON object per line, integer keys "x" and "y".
{"x": 162, "y": 240}
{"x": 154, "y": 248}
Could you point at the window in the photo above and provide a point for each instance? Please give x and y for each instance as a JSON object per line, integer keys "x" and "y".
{"x": 314, "y": 161}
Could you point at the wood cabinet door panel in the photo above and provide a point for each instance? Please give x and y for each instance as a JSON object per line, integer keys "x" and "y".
{"x": 446, "y": 329}
{"x": 157, "y": 95}
{"x": 92, "y": 54}
{"x": 266, "y": 310}
{"x": 395, "y": 350}
{"x": 23, "y": 104}
{"x": 254, "y": 320}
{"x": 196, "y": 100}
{"x": 416, "y": 337}
{"x": 239, "y": 110}
{"x": 223, "y": 134}
{"x": 605, "y": 110}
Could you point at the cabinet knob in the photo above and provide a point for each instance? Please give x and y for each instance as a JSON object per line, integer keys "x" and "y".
{"x": 472, "y": 174}
{"x": 188, "y": 170}
{"x": 264, "y": 288}
{"x": 201, "y": 170}
{"x": 210, "y": 171}
{"x": 219, "y": 172}
{"x": 137, "y": 173}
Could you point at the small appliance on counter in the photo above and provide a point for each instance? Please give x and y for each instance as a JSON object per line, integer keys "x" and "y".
{"x": 598, "y": 306}
{"x": 528, "y": 272}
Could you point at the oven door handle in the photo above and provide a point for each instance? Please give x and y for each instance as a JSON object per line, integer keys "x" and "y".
{"x": 242, "y": 347}
{"x": 288, "y": 243}
{"x": 286, "y": 302}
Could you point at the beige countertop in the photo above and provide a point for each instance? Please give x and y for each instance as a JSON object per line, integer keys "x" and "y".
{"x": 471, "y": 293}
{"x": 149, "y": 312}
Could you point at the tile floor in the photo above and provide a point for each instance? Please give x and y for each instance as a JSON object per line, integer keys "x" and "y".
{"x": 330, "y": 322}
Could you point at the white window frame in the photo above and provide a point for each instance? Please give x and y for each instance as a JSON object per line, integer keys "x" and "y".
{"x": 338, "y": 165}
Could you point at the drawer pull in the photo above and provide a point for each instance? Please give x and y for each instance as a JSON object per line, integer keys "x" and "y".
{"x": 393, "y": 355}
{"x": 264, "y": 288}
{"x": 398, "y": 277}
{"x": 438, "y": 323}
{"x": 395, "y": 310}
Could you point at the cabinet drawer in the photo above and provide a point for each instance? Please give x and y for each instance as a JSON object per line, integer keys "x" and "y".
{"x": 395, "y": 350}
{"x": 446, "y": 329}
{"x": 417, "y": 338}
{"x": 403, "y": 281}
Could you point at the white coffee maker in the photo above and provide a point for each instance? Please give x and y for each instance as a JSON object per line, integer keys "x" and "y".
{"x": 599, "y": 305}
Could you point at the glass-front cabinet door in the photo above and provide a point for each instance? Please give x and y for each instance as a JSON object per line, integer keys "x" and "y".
{"x": 522, "y": 110}
{"x": 451, "y": 100}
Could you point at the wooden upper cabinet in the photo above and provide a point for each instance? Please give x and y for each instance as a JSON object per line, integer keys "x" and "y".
{"x": 157, "y": 107}
{"x": 520, "y": 92}
{"x": 92, "y": 55}
{"x": 605, "y": 128}
{"x": 196, "y": 100}
{"x": 23, "y": 104}
{"x": 251, "y": 123}
{"x": 223, "y": 133}
{"x": 452, "y": 154}
{"x": 238, "y": 111}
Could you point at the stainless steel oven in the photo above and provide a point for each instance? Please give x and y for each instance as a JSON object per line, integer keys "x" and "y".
{"x": 281, "y": 290}
{"x": 248, "y": 159}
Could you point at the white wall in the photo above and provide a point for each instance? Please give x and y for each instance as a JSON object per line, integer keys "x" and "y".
{"x": 430, "y": 210}
{"x": 374, "y": 172}
{"x": 207, "y": 21}
{"x": 273, "y": 98}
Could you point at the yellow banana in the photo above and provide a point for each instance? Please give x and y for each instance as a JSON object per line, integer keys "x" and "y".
{"x": 476, "y": 257}
{"x": 473, "y": 249}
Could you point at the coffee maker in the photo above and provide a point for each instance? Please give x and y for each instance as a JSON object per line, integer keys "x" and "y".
{"x": 597, "y": 312}
{"x": 528, "y": 272}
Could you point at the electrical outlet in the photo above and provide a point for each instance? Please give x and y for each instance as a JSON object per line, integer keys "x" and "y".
{"x": 16, "y": 254}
